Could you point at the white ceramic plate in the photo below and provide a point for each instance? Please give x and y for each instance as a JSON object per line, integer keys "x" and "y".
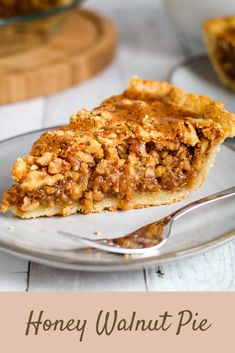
{"x": 39, "y": 241}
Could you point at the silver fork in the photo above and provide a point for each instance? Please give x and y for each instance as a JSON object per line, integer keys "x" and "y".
{"x": 151, "y": 237}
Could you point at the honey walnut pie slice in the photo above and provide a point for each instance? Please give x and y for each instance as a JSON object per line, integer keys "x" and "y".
{"x": 151, "y": 145}
{"x": 219, "y": 35}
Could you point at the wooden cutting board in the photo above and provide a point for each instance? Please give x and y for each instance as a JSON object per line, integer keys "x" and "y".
{"x": 85, "y": 45}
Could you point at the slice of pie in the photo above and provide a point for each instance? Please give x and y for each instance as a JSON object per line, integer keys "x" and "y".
{"x": 151, "y": 145}
{"x": 219, "y": 34}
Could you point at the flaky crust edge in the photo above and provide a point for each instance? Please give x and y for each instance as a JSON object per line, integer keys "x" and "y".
{"x": 206, "y": 107}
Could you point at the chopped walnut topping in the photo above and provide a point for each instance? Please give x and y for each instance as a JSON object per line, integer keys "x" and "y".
{"x": 19, "y": 169}
{"x": 76, "y": 192}
{"x": 45, "y": 159}
{"x": 29, "y": 206}
{"x": 95, "y": 148}
{"x": 84, "y": 157}
{"x": 36, "y": 179}
{"x": 55, "y": 166}
{"x": 50, "y": 190}
{"x": 189, "y": 135}
{"x": 159, "y": 171}
{"x": 149, "y": 173}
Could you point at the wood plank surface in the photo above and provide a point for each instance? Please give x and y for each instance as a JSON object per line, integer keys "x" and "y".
{"x": 13, "y": 273}
{"x": 59, "y": 280}
{"x": 211, "y": 271}
{"x": 85, "y": 45}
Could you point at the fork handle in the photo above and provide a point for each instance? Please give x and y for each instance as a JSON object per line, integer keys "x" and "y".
{"x": 206, "y": 200}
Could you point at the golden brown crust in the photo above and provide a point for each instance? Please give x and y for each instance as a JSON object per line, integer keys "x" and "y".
{"x": 219, "y": 35}
{"x": 184, "y": 105}
{"x": 109, "y": 204}
{"x": 223, "y": 27}
{"x": 154, "y": 140}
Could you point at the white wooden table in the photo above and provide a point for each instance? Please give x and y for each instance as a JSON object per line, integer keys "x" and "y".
{"x": 149, "y": 48}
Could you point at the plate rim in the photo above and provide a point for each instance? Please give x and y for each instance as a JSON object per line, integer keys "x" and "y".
{"x": 50, "y": 258}
{"x": 95, "y": 266}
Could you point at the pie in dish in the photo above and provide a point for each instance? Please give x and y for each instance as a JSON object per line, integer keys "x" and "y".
{"x": 151, "y": 145}
{"x": 219, "y": 34}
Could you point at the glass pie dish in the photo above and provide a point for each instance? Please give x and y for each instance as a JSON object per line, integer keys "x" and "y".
{"x": 25, "y": 28}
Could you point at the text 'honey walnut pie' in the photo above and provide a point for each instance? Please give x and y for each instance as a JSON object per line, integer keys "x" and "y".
{"x": 219, "y": 35}
{"x": 151, "y": 145}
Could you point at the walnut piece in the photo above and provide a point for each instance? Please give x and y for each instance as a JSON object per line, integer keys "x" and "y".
{"x": 19, "y": 169}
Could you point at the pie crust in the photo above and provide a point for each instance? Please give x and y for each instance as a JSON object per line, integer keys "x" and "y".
{"x": 151, "y": 145}
{"x": 219, "y": 35}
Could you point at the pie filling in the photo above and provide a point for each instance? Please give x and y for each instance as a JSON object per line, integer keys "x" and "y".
{"x": 120, "y": 171}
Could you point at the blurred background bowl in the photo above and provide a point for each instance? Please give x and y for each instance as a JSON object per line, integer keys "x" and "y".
{"x": 24, "y": 28}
